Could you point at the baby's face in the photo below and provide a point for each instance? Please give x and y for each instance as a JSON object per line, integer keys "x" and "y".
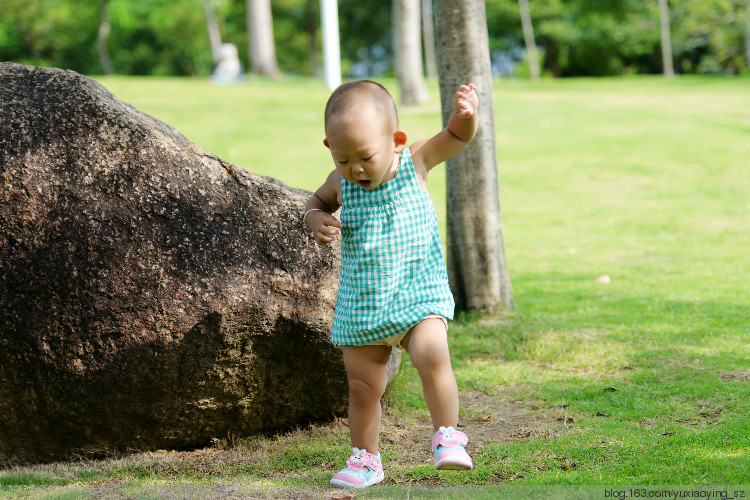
{"x": 364, "y": 148}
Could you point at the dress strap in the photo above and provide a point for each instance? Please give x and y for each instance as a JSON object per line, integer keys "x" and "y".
{"x": 406, "y": 169}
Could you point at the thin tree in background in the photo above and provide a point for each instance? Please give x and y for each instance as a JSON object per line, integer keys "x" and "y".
{"x": 428, "y": 37}
{"x": 476, "y": 257}
{"x": 101, "y": 39}
{"x": 747, "y": 32}
{"x": 260, "y": 28}
{"x": 407, "y": 49}
{"x": 528, "y": 36}
{"x": 214, "y": 34}
{"x": 666, "y": 39}
{"x": 311, "y": 28}
{"x": 329, "y": 26}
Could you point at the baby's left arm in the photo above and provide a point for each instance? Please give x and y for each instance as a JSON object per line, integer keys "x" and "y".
{"x": 461, "y": 129}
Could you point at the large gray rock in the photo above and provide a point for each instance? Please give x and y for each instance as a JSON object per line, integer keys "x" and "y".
{"x": 151, "y": 295}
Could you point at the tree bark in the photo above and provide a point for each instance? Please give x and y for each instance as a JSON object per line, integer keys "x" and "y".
{"x": 407, "y": 48}
{"x": 214, "y": 34}
{"x": 311, "y": 27}
{"x": 476, "y": 257}
{"x": 666, "y": 39}
{"x": 552, "y": 58}
{"x": 528, "y": 35}
{"x": 428, "y": 35}
{"x": 260, "y": 28}
{"x": 101, "y": 39}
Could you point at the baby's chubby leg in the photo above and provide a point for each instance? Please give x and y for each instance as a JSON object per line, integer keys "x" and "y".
{"x": 427, "y": 345}
{"x": 366, "y": 372}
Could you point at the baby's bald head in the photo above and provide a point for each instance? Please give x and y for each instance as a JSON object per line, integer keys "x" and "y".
{"x": 361, "y": 97}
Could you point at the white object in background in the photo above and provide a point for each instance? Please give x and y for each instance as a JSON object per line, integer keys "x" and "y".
{"x": 329, "y": 18}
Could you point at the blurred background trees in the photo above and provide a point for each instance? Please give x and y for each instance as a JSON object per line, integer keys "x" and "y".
{"x": 572, "y": 37}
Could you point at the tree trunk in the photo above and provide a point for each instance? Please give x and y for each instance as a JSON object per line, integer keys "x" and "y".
{"x": 666, "y": 39}
{"x": 407, "y": 48}
{"x": 214, "y": 35}
{"x": 428, "y": 35}
{"x": 260, "y": 28}
{"x": 329, "y": 22}
{"x": 101, "y": 39}
{"x": 528, "y": 36}
{"x": 747, "y": 32}
{"x": 552, "y": 58}
{"x": 476, "y": 258}
{"x": 311, "y": 27}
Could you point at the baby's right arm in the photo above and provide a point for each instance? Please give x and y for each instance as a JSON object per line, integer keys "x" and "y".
{"x": 321, "y": 206}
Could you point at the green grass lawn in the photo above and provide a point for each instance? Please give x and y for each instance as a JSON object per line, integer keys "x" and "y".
{"x": 644, "y": 380}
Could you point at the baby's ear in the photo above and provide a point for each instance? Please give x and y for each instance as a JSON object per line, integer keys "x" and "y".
{"x": 399, "y": 141}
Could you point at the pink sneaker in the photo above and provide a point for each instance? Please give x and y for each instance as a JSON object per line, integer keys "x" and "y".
{"x": 362, "y": 470}
{"x": 448, "y": 445}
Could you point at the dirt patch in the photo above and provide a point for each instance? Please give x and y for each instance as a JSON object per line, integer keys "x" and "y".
{"x": 492, "y": 419}
{"x": 486, "y": 419}
{"x": 738, "y": 375}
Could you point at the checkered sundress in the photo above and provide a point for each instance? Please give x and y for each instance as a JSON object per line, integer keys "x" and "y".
{"x": 392, "y": 267}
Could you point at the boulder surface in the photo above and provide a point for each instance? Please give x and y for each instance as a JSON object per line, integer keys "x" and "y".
{"x": 151, "y": 294}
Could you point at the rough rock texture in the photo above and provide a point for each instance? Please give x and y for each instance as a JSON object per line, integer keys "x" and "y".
{"x": 151, "y": 295}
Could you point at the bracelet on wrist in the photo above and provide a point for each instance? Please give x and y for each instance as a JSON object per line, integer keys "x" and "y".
{"x": 304, "y": 217}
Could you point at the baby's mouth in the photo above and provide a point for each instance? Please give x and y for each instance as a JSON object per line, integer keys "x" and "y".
{"x": 364, "y": 183}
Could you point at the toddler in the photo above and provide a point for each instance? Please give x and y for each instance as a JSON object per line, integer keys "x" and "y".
{"x": 393, "y": 284}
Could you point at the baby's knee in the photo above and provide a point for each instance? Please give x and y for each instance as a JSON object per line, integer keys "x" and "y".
{"x": 434, "y": 357}
{"x": 360, "y": 388}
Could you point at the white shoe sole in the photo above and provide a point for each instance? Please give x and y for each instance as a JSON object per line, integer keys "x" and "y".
{"x": 449, "y": 463}
{"x": 343, "y": 484}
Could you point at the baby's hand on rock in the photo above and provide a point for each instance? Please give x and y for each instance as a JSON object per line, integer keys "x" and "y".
{"x": 325, "y": 227}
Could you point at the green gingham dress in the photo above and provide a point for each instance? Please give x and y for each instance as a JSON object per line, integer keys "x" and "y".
{"x": 392, "y": 267}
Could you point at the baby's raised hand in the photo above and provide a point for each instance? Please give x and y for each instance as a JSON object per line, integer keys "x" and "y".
{"x": 466, "y": 101}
